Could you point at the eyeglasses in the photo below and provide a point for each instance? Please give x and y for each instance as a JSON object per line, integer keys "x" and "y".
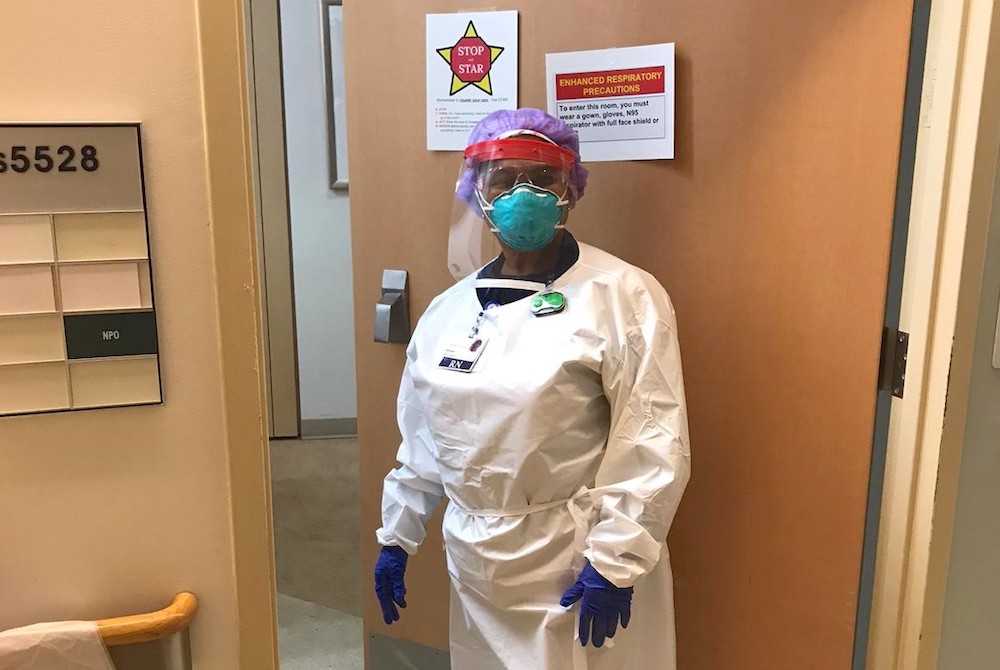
{"x": 500, "y": 178}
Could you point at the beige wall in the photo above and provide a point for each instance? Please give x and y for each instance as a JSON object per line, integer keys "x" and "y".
{"x": 112, "y": 512}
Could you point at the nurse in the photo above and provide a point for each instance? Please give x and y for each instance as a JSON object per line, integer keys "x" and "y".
{"x": 543, "y": 397}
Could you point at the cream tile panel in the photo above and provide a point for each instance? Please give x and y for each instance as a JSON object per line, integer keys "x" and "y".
{"x": 145, "y": 285}
{"x": 26, "y": 289}
{"x": 33, "y": 388}
{"x": 125, "y": 381}
{"x": 100, "y": 286}
{"x": 100, "y": 236}
{"x": 25, "y": 239}
{"x": 25, "y": 339}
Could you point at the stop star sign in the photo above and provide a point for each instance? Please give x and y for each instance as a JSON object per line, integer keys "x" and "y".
{"x": 471, "y": 60}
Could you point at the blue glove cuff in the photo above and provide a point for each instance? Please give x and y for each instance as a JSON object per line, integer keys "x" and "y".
{"x": 396, "y": 552}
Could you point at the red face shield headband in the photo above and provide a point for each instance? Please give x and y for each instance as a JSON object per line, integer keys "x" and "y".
{"x": 518, "y": 149}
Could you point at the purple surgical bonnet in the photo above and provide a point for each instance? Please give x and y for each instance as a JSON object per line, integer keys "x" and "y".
{"x": 526, "y": 118}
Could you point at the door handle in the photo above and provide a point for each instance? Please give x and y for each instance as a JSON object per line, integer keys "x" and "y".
{"x": 392, "y": 312}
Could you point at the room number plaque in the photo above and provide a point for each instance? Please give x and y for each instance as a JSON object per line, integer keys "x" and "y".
{"x": 77, "y": 322}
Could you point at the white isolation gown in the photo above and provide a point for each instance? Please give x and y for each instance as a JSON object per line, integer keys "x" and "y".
{"x": 568, "y": 439}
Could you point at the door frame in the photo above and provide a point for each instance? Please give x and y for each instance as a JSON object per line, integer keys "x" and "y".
{"x": 267, "y": 120}
{"x": 223, "y": 40}
{"x": 905, "y": 183}
{"x": 953, "y": 187}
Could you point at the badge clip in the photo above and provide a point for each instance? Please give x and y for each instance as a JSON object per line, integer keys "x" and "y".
{"x": 548, "y": 303}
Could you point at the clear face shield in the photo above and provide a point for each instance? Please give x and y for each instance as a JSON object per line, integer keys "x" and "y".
{"x": 515, "y": 189}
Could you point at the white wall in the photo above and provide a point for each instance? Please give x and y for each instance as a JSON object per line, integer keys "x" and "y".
{"x": 320, "y": 222}
{"x": 969, "y": 638}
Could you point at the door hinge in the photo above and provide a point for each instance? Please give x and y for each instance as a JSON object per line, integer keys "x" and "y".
{"x": 892, "y": 369}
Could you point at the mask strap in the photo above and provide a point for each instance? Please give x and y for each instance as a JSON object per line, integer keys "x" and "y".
{"x": 487, "y": 207}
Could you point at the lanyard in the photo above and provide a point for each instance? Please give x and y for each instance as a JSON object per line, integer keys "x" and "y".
{"x": 543, "y": 303}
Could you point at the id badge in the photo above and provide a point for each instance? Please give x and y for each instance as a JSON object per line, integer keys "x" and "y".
{"x": 462, "y": 355}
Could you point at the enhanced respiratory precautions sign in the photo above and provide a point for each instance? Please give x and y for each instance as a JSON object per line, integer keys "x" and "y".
{"x": 620, "y": 101}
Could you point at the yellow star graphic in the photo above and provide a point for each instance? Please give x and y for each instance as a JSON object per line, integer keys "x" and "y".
{"x": 483, "y": 84}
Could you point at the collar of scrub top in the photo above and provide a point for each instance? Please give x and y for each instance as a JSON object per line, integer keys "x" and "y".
{"x": 569, "y": 254}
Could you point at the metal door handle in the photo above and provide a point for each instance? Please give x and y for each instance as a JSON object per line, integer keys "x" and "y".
{"x": 392, "y": 312}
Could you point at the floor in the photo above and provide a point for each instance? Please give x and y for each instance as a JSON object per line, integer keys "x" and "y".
{"x": 314, "y": 489}
{"x": 314, "y": 637}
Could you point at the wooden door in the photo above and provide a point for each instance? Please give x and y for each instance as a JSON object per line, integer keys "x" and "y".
{"x": 771, "y": 232}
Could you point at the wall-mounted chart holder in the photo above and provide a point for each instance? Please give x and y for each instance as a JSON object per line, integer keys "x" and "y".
{"x": 77, "y": 318}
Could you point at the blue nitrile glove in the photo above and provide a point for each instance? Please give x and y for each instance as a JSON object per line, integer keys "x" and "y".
{"x": 389, "y": 586}
{"x": 604, "y": 604}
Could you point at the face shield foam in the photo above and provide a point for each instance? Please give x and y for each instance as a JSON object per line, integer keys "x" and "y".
{"x": 517, "y": 188}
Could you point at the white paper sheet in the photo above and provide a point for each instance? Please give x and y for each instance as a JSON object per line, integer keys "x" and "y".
{"x": 620, "y": 101}
{"x": 471, "y": 71}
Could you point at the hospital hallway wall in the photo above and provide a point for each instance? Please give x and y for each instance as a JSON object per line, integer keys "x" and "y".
{"x": 972, "y": 596}
{"x": 320, "y": 230}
